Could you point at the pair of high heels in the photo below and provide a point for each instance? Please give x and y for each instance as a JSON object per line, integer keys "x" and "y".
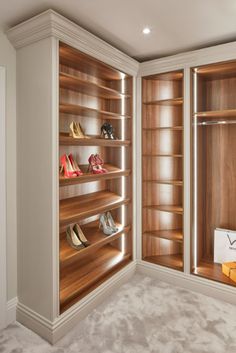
{"x": 76, "y": 238}
{"x": 96, "y": 164}
{"x": 107, "y": 131}
{"x": 107, "y": 224}
{"x": 76, "y": 131}
{"x": 70, "y": 166}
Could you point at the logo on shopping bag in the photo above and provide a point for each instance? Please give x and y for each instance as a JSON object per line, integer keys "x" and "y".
{"x": 232, "y": 242}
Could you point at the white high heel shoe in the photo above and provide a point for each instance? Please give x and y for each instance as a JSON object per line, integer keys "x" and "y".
{"x": 111, "y": 222}
{"x": 104, "y": 225}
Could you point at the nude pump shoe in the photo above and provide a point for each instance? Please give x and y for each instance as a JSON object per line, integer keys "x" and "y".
{"x": 76, "y": 131}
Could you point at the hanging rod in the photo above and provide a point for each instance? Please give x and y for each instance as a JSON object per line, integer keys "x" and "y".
{"x": 216, "y": 122}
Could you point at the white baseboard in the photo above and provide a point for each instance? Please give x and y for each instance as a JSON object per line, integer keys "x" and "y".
{"x": 188, "y": 281}
{"x": 53, "y": 331}
{"x": 11, "y": 311}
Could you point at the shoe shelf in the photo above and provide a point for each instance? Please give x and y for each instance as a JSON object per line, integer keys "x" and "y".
{"x": 173, "y": 261}
{"x": 162, "y": 177}
{"x": 163, "y": 155}
{"x": 77, "y": 208}
{"x": 212, "y": 271}
{"x": 84, "y": 63}
{"x": 227, "y": 113}
{"x": 172, "y": 128}
{"x": 74, "y": 83}
{"x": 172, "y": 102}
{"x": 78, "y": 279}
{"x": 66, "y": 140}
{"x": 112, "y": 173}
{"x": 166, "y": 208}
{"x": 95, "y": 236}
{"x": 166, "y": 182}
{"x": 169, "y": 234}
{"x": 81, "y": 110}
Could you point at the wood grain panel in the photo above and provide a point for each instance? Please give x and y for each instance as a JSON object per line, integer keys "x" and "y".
{"x": 162, "y": 168}
{"x": 79, "y": 277}
{"x": 80, "y": 207}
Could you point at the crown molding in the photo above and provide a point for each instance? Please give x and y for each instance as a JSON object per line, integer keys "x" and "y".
{"x": 214, "y": 54}
{"x": 52, "y": 24}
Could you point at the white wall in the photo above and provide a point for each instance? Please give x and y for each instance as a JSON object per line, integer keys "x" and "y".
{"x": 8, "y": 59}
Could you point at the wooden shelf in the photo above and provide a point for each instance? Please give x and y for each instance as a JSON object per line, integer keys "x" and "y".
{"x": 172, "y": 102}
{"x": 82, "y": 62}
{"x": 168, "y": 182}
{"x": 95, "y": 236}
{"x": 167, "y": 76}
{"x": 212, "y": 271}
{"x": 217, "y": 71}
{"x": 163, "y": 155}
{"x": 167, "y": 208}
{"x": 217, "y": 114}
{"x": 78, "y": 278}
{"x": 112, "y": 173}
{"x": 81, "y": 110}
{"x": 77, "y": 208}
{"x": 173, "y": 261}
{"x": 171, "y": 128}
{"x": 67, "y": 140}
{"x": 170, "y": 234}
{"x": 74, "y": 83}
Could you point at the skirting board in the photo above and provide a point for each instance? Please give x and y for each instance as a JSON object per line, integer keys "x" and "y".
{"x": 188, "y": 281}
{"x": 53, "y": 331}
{"x": 11, "y": 311}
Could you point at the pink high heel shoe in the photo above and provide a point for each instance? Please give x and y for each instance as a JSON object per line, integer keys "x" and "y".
{"x": 94, "y": 167}
{"x": 75, "y": 165}
{"x": 66, "y": 166}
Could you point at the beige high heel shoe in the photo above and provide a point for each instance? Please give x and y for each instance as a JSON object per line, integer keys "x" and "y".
{"x": 76, "y": 131}
{"x": 80, "y": 235}
{"x": 73, "y": 239}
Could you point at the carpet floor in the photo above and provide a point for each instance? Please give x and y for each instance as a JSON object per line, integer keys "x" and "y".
{"x": 143, "y": 316}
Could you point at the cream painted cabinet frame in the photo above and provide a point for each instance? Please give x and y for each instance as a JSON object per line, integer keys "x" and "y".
{"x": 186, "y": 62}
{"x": 3, "y": 278}
{"x": 37, "y": 44}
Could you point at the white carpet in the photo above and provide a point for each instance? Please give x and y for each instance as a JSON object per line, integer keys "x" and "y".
{"x": 144, "y": 316}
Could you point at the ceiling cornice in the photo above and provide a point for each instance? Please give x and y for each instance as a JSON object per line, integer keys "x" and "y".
{"x": 52, "y": 24}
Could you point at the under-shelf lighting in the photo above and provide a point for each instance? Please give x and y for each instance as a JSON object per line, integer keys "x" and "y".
{"x": 195, "y": 173}
{"x": 123, "y": 191}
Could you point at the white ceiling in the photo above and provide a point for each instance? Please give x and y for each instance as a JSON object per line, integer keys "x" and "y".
{"x": 177, "y": 25}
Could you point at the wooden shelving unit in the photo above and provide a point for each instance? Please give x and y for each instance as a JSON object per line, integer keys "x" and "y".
{"x": 162, "y": 169}
{"x": 214, "y": 168}
{"x": 92, "y": 93}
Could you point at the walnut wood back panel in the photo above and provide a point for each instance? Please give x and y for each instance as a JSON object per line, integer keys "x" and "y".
{"x": 162, "y": 168}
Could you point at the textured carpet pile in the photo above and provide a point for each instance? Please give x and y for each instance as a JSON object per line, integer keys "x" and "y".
{"x": 143, "y": 316}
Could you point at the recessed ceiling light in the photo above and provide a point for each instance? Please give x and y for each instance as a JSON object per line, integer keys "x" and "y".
{"x": 146, "y": 30}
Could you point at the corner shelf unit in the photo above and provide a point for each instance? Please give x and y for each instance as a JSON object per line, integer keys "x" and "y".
{"x": 214, "y": 168}
{"x": 92, "y": 93}
{"x": 162, "y": 169}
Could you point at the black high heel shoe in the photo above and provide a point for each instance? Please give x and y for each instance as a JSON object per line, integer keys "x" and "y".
{"x": 107, "y": 131}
